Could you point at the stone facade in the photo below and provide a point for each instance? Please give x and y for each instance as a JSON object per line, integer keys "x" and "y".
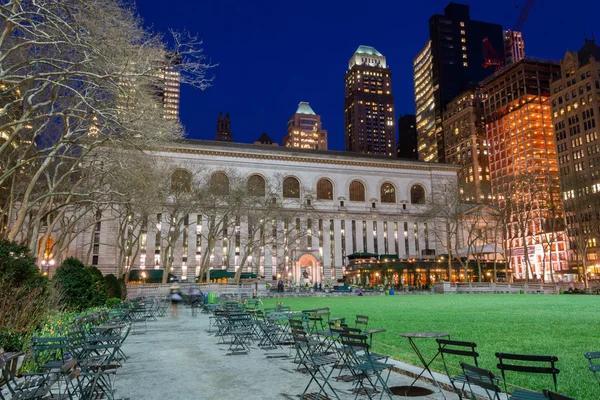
{"x": 385, "y": 219}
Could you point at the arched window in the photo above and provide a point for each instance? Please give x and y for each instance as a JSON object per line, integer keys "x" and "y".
{"x": 388, "y": 193}
{"x": 219, "y": 183}
{"x": 181, "y": 181}
{"x": 417, "y": 194}
{"x": 357, "y": 191}
{"x": 291, "y": 188}
{"x": 256, "y": 185}
{"x": 324, "y": 190}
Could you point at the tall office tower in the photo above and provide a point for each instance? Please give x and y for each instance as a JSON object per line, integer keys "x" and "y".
{"x": 407, "y": 137}
{"x": 575, "y": 99}
{"x": 450, "y": 60}
{"x": 427, "y": 142}
{"x": 369, "y": 105}
{"x": 524, "y": 168}
{"x": 224, "y": 128}
{"x": 169, "y": 90}
{"x": 304, "y": 130}
{"x": 466, "y": 145}
{"x": 514, "y": 47}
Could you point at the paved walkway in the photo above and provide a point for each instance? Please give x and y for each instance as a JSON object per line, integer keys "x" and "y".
{"x": 178, "y": 359}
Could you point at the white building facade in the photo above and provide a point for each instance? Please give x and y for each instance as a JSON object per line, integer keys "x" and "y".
{"x": 358, "y": 203}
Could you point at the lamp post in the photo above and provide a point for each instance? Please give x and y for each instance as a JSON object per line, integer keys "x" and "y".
{"x": 44, "y": 264}
{"x": 143, "y": 277}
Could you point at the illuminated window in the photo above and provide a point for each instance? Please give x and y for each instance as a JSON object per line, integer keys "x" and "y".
{"x": 256, "y": 185}
{"x": 417, "y": 194}
{"x": 324, "y": 190}
{"x": 291, "y": 188}
{"x": 357, "y": 191}
{"x": 181, "y": 180}
{"x": 465, "y": 64}
{"x": 219, "y": 183}
{"x": 388, "y": 193}
{"x": 463, "y": 40}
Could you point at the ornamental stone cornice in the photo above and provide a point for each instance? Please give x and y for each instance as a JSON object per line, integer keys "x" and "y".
{"x": 286, "y": 155}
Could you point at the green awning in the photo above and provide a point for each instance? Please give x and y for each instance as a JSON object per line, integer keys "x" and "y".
{"x": 361, "y": 255}
{"x": 219, "y": 274}
{"x": 390, "y": 257}
{"x": 152, "y": 275}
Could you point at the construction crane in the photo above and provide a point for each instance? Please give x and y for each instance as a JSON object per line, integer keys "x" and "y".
{"x": 491, "y": 58}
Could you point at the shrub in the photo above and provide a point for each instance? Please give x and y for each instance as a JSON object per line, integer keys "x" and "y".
{"x": 12, "y": 341}
{"x": 112, "y": 302}
{"x": 75, "y": 281}
{"x": 113, "y": 286}
{"x": 97, "y": 292}
{"x": 24, "y": 292}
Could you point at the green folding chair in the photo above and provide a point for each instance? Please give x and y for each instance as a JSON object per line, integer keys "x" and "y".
{"x": 452, "y": 351}
{"x": 593, "y": 358}
{"x": 526, "y": 363}
{"x": 483, "y": 379}
{"x": 556, "y": 396}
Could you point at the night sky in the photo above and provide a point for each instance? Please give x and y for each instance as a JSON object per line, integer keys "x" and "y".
{"x": 274, "y": 54}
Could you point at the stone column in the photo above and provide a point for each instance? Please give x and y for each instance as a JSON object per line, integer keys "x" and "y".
{"x": 326, "y": 251}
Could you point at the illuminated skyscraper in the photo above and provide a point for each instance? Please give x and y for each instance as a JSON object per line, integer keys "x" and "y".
{"x": 304, "y": 130}
{"x": 523, "y": 167}
{"x": 466, "y": 145}
{"x": 449, "y": 62}
{"x": 369, "y": 105}
{"x": 168, "y": 92}
{"x": 576, "y": 116}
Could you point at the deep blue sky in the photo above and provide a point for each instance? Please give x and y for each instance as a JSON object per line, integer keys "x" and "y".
{"x": 272, "y": 54}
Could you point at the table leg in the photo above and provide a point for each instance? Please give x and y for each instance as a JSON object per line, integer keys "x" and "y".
{"x": 426, "y": 365}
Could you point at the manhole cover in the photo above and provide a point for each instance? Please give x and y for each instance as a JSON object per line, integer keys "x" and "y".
{"x": 410, "y": 391}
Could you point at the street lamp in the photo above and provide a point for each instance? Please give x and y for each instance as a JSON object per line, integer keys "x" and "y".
{"x": 143, "y": 277}
{"x": 44, "y": 269}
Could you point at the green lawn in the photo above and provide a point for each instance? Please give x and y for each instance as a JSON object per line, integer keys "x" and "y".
{"x": 563, "y": 325}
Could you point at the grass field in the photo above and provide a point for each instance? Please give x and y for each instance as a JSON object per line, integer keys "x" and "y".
{"x": 565, "y": 326}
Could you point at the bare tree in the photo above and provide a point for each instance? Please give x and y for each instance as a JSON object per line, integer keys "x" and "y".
{"x": 77, "y": 76}
{"x": 582, "y": 205}
{"x": 445, "y": 209}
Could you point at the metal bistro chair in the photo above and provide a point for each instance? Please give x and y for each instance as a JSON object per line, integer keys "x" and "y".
{"x": 451, "y": 350}
{"x": 534, "y": 364}
{"x": 483, "y": 378}
{"x": 556, "y": 396}
{"x": 594, "y": 359}
{"x": 365, "y": 367}
{"x": 320, "y": 367}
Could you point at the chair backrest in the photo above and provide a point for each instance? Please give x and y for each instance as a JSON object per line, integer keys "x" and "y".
{"x": 455, "y": 350}
{"x": 529, "y": 363}
{"x": 594, "y": 359}
{"x": 361, "y": 322}
{"x": 556, "y": 396}
{"x": 483, "y": 378}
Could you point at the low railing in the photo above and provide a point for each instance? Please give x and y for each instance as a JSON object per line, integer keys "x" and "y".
{"x": 515, "y": 288}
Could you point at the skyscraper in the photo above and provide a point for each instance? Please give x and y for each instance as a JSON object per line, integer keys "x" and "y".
{"x": 575, "y": 96}
{"x": 304, "y": 130}
{"x": 168, "y": 92}
{"x": 523, "y": 167}
{"x": 407, "y": 137}
{"x": 450, "y": 60}
{"x": 224, "y": 128}
{"x": 369, "y": 105}
{"x": 466, "y": 145}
